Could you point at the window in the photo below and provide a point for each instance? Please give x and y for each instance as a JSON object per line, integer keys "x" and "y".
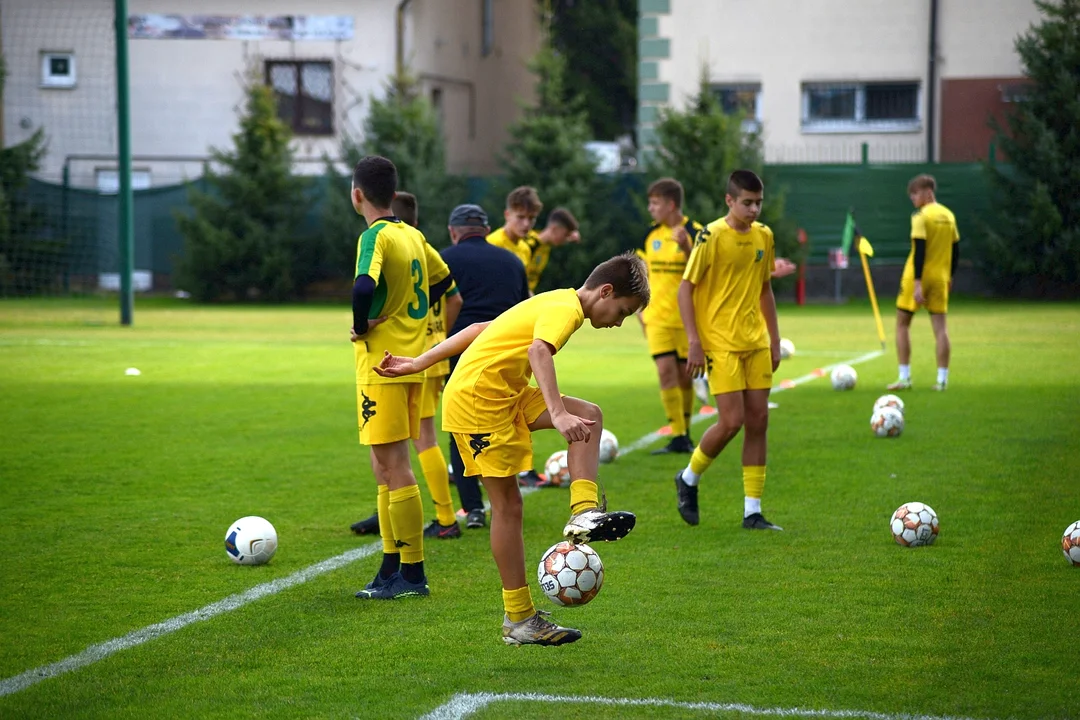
{"x": 304, "y": 91}
{"x": 745, "y": 99}
{"x": 860, "y": 107}
{"x": 487, "y": 27}
{"x": 57, "y": 70}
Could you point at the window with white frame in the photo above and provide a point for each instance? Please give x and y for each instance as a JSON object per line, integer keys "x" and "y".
{"x": 860, "y": 107}
{"x": 742, "y": 98}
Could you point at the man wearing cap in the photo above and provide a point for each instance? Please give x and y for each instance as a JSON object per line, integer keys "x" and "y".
{"x": 491, "y": 281}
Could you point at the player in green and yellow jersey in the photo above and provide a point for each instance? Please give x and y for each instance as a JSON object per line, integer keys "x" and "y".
{"x": 927, "y": 278}
{"x": 727, "y": 305}
{"x": 667, "y": 248}
{"x": 398, "y": 275}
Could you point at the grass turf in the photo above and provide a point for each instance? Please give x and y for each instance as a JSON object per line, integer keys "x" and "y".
{"x": 116, "y": 492}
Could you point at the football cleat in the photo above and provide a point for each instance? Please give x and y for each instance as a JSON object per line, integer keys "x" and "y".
{"x": 900, "y": 384}
{"x": 367, "y": 526}
{"x": 757, "y": 521}
{"x": 395, "y": 587}
{"x": 688, "y": 505}
{"x": 372, "y": 586}
{"x": 531, "y": 478}
{"x": 677, "y": 444}
{"x": 443, "y": 532}
{"x": 537, "y": 630}
{"x": 475, "y": 519}
{"x": 594, "y": 525}
{"x": 940, "y": 387}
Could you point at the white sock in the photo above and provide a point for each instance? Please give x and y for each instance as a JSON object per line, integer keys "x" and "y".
{"x": 751, "y": 506}
{"x": 905, "y": 372}
{"x": 690, "y": 477}
{"x": 943, "y": 375}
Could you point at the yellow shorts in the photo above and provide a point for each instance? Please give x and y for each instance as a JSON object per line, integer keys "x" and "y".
{"x": 506, "y": 451}
{"x": 935, "y": 292}
{"x": 388, "y": 413}
{"x": 737, "y": 371}
{"x": 429, "y": 403}
{"x": 667, "y": 340}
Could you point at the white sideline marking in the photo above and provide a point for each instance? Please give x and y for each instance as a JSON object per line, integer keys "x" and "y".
{"x": 465, "y": 704}
{"x": 103, "y": 650}
{"x": 654, "y": 436}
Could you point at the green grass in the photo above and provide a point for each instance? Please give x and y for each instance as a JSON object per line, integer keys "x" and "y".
{"x": 115, "y": 493}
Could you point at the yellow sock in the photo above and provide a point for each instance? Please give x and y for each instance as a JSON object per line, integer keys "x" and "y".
{"x": 699, "y": 461}
{"x": 687, "y": 406}
{"x": 386, "y": 528}
{"x": 407, "y": 515}
{"x": 673, "y": 407}
{"x": 583, "y": 496}
{"x": 518, "y": 604}
{"x": 753, "y": 480}
{"x": 433, "y": 465}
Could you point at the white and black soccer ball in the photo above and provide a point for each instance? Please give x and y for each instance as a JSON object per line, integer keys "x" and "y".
{"x": 787, "y": 348}
{"x": 1070, "y": 544}
{"x": 701, "y": 390}
{"x": 609, "y": 446}
{"x": 557, "y": 469}
{"x": 251, "y": 540}
{"x": 891, "y": 401}
{"x": 843, "y": 377}
{"x": 887, "y": 422}
{"x": 914, "y": 524}
{"x": 570, "y": 574}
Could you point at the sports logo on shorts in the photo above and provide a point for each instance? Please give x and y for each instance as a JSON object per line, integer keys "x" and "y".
{"x": 479, "y": 443}
{"x": 367, "y": 409}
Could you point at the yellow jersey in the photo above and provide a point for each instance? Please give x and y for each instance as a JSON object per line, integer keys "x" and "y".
{"x": 666, "y": 261}
{"x": 936, "y": 224}
{"x": 520, "y": 248}
{"x": 436, "y": 331}
{"x": 728, "y": 269}
{"x": 494, "y": 370}
{"x": 403, "y": 265}
{"x": 539, "y": 254}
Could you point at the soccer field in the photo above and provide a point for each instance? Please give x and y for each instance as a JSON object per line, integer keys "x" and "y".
{"x": 116, "y": 491}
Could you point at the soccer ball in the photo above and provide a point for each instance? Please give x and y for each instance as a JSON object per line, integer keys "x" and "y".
{"x": 570, "y": 574}
{"x": 557, "y": 469}
{"x": 843, "y": 377}
{"x": 1070, "y": 543}
{"x": 251, "y": 540}
{"x": 914, "y": 524}
{"x": 609, "y": 446}
{"x": 787, "y": 348}
{"x": 887, "y": 422}
{"x": 891, "y": 401}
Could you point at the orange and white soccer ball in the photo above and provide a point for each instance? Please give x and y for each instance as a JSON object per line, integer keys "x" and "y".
{"x": 914, "y": 524}
{"x": 1070, "y": 544}
{"x": 843, "y": 377}
{"x": 609, "y": 446}
{"x": 892, "y": 401}
{"x": 887, "y": 422}
{"x": 570, "y": 574}
{"x": 557, "y": 469}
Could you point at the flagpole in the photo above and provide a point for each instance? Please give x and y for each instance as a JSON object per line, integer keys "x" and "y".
{"x": 864, "y": 245}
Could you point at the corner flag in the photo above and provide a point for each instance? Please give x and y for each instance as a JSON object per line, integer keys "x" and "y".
{"x": 849, "y": 234}
{"x": 866, "y": 250}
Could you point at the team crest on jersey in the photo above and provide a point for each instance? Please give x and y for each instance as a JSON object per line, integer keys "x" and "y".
{"x": 757, "y": 256}
{"x": 656, "y": 244}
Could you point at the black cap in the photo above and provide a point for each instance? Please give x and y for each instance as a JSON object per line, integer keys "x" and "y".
{"x": 465, "y": 215}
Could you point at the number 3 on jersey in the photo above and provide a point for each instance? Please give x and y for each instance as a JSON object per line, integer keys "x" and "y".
{"x": 420, "y": 310}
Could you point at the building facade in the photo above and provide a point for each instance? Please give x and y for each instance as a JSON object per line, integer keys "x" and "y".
{"x": 820, "y": 78}
{"x": 190, "y": 63}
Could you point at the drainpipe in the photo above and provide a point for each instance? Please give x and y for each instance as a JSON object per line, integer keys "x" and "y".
{"x": 400, "y": 28}
{"x": 931, "y": 84}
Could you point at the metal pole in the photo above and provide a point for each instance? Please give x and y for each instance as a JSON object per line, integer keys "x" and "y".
{"x": 125, "y": 200}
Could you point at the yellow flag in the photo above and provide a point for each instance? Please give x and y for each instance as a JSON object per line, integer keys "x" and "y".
{"x": 865, "y": 248}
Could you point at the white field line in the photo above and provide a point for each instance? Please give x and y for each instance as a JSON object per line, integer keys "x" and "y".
{"x": 465, "y": 704}
{"x": 103, "y": 650}
{"x": 654, "y": 436}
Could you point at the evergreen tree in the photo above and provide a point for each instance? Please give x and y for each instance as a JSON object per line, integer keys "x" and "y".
{"x": 1034, "y": 245}
{"x": 243, "y": 239}
{"x": 28, "y": 259}
{"x": 700, "y": 146}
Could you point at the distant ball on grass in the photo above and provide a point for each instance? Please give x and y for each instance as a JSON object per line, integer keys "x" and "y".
{"x": 914, "y": 524}
{"x": 787, "y": 348}
{"x": 251, "y": 540}
{"x": 1070, "y": 544}
{"x": 843, "y": 377}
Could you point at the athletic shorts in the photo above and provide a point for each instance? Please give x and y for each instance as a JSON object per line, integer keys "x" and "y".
{"x": 429, "y": 403}
{"x": 388, "y": 413}
{"x": 667, "y": 341}
{"x": 935, "y": 292}
{"x": 737, "y": 371}
{"x": 508, "y": 450}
